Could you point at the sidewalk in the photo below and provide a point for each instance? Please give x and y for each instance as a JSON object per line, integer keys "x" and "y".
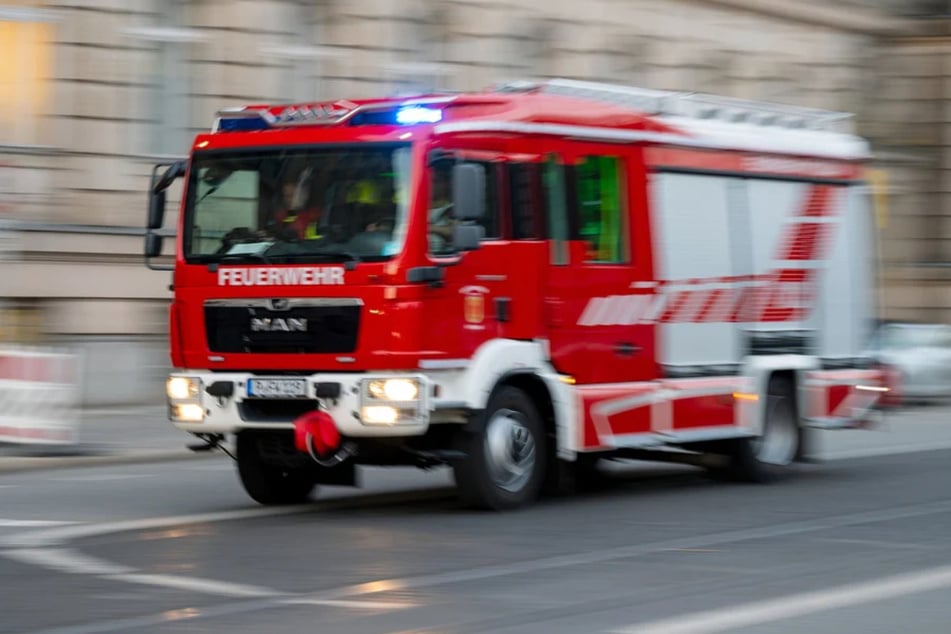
{"x": 110, "y": 435}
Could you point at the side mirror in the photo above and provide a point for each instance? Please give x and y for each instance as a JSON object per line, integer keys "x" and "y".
{"x": 468, "y": 192}
{"x": 157, "y": 190}
{"x": 467, "y": 237}
{"x": 156, "y": 209}
{"x": 153, "y": 245}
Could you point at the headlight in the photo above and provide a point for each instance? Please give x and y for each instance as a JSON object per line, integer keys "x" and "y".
{"x": 182, "y": 388}
{"x": 184, "y": 399}
{"x": 188, "y": 413}
{"x": 380, "y": 415}
{"x": 392, "y": 401}
{"x": 400, "y": 390}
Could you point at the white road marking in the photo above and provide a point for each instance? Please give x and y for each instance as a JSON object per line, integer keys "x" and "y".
{"x": 56, "y": 536}
{"x": 72, "y": 561}
{"x": 5, "y": 523}
{"x": 796, "y": 605}
{"x": 104, "y": 477}
{"x": 345, "y": 603}
{"x": 196, "y": 584}
{"x": 65, "y": 560}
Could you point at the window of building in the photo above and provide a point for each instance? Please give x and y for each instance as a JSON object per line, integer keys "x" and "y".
{"x": 26, "y": 69}
{"x": 165, "y": 100}
{"x": 600, "y": 206}
{"x": 304, "y": 61}
{"x": 420, "y": 51}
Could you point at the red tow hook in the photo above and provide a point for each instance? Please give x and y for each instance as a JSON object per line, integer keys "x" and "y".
{"x": 316, "y": 433}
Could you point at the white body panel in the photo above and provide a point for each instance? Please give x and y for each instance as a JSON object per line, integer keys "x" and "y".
{"x": 707, "y": 228}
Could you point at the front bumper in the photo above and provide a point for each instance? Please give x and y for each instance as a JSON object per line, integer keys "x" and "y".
{"x": 225, "y": 404}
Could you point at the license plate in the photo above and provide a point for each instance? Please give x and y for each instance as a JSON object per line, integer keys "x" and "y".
{"x": 277, "y": 388}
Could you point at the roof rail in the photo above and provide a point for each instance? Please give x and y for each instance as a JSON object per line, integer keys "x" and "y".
{"x": 691, "y": 105}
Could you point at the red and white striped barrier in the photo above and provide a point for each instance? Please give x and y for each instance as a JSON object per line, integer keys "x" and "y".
{"x": 39, "y": 396}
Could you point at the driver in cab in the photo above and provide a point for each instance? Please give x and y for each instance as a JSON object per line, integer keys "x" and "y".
{"x": 294, "y": 219}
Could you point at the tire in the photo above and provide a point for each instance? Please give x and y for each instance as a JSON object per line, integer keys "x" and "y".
{"x": 771, "y": 456}
{"x": 506, "y": 454}
{"x": 270, "y": 483}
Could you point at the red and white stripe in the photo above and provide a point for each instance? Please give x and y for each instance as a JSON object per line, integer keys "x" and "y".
{"x": 785, "y": 294}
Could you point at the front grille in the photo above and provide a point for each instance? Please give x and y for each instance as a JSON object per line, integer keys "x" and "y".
{"x": 274, "y": 410}
{"x": 312, "y": 326}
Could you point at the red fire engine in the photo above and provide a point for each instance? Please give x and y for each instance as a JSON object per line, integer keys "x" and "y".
{"x": 518, "y": 283}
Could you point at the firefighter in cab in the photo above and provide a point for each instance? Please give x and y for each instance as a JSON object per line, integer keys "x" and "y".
{"x": 297, "y": 218}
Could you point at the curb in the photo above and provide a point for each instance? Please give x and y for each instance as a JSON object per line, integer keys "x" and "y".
{"x": 15, "y": 464}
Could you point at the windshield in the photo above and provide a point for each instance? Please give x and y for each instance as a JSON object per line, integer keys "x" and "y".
{"x": 309, "y": 205}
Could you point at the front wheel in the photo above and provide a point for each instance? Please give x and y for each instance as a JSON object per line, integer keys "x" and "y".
{"x": 505, "y": 459}
{"x": 267, "y": 482}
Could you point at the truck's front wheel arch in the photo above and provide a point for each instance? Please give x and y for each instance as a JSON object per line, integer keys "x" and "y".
{"x": 518, "y": 414}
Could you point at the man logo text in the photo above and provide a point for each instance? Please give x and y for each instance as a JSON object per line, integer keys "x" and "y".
{"x": 266, "y": 324}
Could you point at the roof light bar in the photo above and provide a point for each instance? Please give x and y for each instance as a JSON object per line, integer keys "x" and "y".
{"x": 413, "y": 115}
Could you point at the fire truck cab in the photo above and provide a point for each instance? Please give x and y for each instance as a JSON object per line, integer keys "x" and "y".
{"x": 518, "y": 283}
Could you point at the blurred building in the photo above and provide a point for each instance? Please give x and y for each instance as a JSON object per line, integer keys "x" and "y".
{"x": 93, "y": 92}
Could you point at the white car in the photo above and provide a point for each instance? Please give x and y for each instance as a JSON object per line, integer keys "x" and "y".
{"x": 920, "y": 355}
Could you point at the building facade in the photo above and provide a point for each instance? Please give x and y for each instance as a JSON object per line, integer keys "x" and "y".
{"x": 94, "y": 92}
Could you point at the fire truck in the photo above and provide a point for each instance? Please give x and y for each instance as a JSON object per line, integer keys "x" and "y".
{"x": 518, "y": 283}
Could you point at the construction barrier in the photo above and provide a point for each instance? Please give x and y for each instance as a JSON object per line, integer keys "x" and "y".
{"x": 39, "y": 396}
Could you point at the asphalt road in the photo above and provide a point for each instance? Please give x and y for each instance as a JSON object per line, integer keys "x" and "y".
{"x": 859, "y": 543}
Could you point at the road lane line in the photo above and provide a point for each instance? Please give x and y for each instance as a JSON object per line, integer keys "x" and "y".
{"x": 350, "y": 603}
{"x": 56, "y": 536}
{"x": 103, "y": 477}
{"x": 65, "y": 560}
{"x": 5, "y": 523}
{"x": 197, "y": 584}
{"x": 796, "y": 605}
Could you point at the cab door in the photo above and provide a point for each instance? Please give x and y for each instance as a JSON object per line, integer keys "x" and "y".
{"x": 491, "y": 292}
{"x": 599, "y": 288}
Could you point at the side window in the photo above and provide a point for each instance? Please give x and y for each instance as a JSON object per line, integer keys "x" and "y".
{"x": 440, "y": 211}
{"x": 491, "y": 222}
{"x": 524, "y": 201}
{"x": 556, "y": 208}
{"x": 600, "y": 206}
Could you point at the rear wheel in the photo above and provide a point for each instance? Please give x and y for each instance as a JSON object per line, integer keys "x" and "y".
{"x": 270, "y": 482}
{"x": 505, "y": 459}
{"x": 772, "y": 454}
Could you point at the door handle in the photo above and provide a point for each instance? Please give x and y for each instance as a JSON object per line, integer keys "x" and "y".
{"x": 627, "y": 349}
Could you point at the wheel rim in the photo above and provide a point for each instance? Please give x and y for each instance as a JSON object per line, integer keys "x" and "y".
{"x": 777, "y": 445}
{"x": 509, "y": 450}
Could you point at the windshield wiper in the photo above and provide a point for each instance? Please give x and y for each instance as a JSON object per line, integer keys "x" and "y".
{"x": 238, "y": 258}
{"x": 351, "y": 259}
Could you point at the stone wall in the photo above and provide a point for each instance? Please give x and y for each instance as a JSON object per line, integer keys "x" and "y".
{"x": 119, "y": 84}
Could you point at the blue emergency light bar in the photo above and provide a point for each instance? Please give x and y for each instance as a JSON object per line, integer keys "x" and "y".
{"x": 247, "y": 120}
{"x": 242, "y": 124}
{"x": 413, "y": 115}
